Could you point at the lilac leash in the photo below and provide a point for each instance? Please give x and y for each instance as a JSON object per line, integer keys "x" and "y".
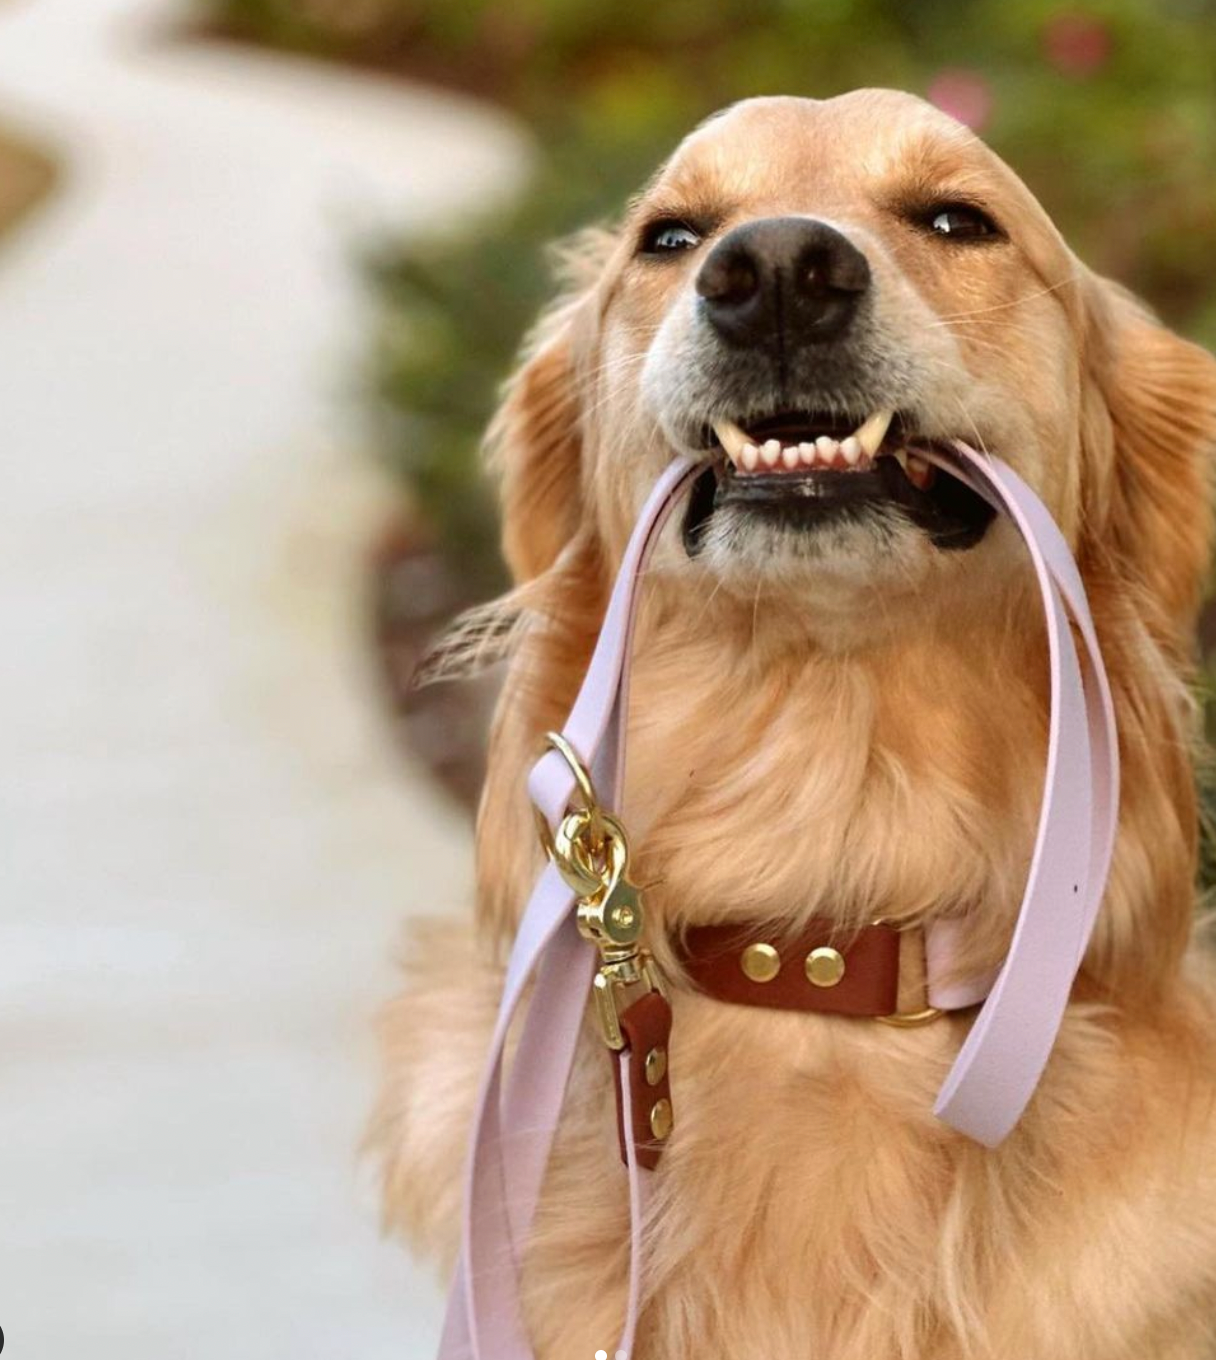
{"x": 1000, "y": 1064}
{"x": 483, "y": 1309}
{"x": 997, "y": 1068}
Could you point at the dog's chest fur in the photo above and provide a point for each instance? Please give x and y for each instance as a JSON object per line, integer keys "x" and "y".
{"x": 774, "y": 784}
{"x": 809, "y": 1203}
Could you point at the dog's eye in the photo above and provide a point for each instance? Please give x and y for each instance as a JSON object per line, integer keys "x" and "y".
{"x": 960, "y": 222}
{"x": 668, "y": 236}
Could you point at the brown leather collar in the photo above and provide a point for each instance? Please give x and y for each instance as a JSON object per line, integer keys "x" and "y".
{"x": 876, "y": 972}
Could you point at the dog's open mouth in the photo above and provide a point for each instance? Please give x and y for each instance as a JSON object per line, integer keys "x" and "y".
{"x": 801, "y": 469}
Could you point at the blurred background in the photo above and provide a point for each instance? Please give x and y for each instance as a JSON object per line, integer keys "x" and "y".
{"x": 263, "y": 264}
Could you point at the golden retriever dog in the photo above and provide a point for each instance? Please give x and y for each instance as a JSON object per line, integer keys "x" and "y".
{"x": 839, "y": 708}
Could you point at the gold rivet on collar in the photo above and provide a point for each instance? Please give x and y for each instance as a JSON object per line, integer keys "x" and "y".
{"x": 824, "y": 967}
{"x": 661, "y": 1120}
{"x": 760, "y": 962}
{"x": 656, "y": 1065}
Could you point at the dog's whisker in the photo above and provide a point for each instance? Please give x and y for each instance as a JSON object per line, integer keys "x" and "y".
{"x": 951, "y": 317}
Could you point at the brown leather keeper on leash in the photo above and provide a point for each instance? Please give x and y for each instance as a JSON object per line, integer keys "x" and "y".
{"x": 648, "y": 1119}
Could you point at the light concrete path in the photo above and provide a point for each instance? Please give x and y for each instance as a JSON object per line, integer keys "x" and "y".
{"x": 207, "y": 840}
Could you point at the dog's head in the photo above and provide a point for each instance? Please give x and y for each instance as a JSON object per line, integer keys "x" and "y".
{"x": 805, "y": 295}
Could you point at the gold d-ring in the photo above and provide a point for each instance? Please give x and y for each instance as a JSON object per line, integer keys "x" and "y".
{"x": 911, "y": 1019}
{"x": 908, "y": 1019}
{"x": 555, "y": 741}
{"x": 587, "y": 821}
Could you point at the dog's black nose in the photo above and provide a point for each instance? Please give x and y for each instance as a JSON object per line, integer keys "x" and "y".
{"x": 782, "y": 280}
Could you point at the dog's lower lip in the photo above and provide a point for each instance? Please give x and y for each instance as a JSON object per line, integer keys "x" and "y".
{"x": 810, "y": 487}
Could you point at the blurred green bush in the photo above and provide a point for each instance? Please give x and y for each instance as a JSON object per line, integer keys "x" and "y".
{"x": 1108, "y": 111}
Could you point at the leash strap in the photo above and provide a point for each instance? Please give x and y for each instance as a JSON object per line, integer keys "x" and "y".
{"x": 1000, "y": 1064}
{"x": 997, "y": 1068}
{"x": 512, "y": 1135}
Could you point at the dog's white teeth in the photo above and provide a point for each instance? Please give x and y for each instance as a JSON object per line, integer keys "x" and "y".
{"x": 901, "y": 457}
{"x": 870, "y": 435}
{"x": 823, "y": 452}
{"x": 732, "y": 439}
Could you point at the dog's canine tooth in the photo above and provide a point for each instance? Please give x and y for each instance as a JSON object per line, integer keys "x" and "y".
{"x": 749, "y": 457}
{"x": 732, "y": 439}
{"x": 873, "y": 432}
{"x": 771, "y": 452}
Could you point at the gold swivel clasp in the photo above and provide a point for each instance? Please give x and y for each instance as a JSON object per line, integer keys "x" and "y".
{"x": 591, "y": 852}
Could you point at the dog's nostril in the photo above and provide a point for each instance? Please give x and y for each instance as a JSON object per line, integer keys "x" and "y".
{"x": 815, "y": 274}
{"x": 822, "y": 272}
{"x": 728, "y": 278}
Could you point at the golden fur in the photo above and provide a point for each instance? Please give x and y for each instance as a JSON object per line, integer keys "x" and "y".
{"x": 831, "y": 739}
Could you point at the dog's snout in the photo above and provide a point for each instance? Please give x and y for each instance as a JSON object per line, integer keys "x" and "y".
{"x": 782, "y": 280}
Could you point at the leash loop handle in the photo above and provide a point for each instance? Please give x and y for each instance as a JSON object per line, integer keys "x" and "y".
{"x": 1001, "y": 1061}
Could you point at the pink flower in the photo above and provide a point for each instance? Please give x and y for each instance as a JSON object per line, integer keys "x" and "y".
{"x": 1077, "y": 45}
{"x": 964, "y": 95}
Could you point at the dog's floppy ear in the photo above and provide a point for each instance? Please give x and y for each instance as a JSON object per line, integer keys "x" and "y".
{"x": 1149, "y": 432}
{"x": 535, "y": 439}
{"x": 535, "y": 443}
